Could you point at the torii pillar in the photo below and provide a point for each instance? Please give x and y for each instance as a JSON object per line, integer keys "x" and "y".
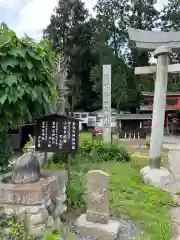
{"x": 162, "y": 54}
{"x": 162, "y": 43}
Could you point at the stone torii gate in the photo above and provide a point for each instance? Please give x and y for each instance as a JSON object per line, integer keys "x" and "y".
{"x": 163, "y": 44}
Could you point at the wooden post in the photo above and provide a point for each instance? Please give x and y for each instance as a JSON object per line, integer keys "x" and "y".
{"x": 45, "y": 158}
{"x": 69, "y": 176}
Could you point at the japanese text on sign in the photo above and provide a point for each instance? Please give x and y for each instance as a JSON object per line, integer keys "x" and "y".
{"x": 55, "y": 135}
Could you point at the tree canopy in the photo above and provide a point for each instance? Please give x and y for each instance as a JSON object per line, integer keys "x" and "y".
{"x": 103, "y": 39}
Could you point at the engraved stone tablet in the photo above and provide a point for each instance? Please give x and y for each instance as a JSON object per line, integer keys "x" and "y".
{"x": 97, "y": 197}
{"x": 26, "y": 169}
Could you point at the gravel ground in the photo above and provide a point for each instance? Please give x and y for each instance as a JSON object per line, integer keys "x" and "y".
{"x": 174, "y": 155}
{"x": 128, "y": 231}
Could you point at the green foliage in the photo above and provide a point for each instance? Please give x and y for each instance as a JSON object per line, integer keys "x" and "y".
{"x": 29, "y": 143}
{"x": 60, "y": 158}
{"x": 94, "y": 151}
{"x": 25, "y": 78}
{"x": 170, "y": 21}
{"x": 148, "y": 142}
{"x": 13, "y": 229}
{"x": 77, "y": 189}
{"x": 77, "y": 186}
{"x": 65, "y": 31}
{"x": 60, "y": 235}
{"x": 5, "y": 151}
{"x": 128, "y": 196}
{"x": 99, "y": 152}
{"x": 103, "y": 39}
{"x": 17, "y": 231}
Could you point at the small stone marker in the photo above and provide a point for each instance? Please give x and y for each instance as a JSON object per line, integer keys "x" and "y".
{"x": 97, "y": 197}
{"x": 96, "y": 223}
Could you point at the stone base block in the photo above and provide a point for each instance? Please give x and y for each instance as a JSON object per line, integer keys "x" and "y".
{"x": 160, "y": 178}
{"x": 100, "y": 231}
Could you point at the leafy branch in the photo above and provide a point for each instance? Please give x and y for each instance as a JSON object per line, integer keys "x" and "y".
{"x": 26, "y": 78}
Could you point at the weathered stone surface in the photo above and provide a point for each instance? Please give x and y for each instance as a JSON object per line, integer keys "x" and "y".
{"x": 172, "y": 68}
{"x": 37, "y": 231}
{"x": 97, "y": 197}
{"x": 96, "y": 222}
{"x": 160, "y": 178}
{"x": 98, "y": 230}
{"x": 50, "y": 222}
{"x": 26, "y": 170}
{"x": 159, "y": 106}
{"x": 61, "y": 176}
{"x": 38, "y": 218}
{"x": 29, "y": 194}
{"x": 162, "y": 50}
{"x": 40, "y": 159}
{"x": 2, "y": 211}
{"x": 57, "y": 224}
{"x": 41, "y": 202}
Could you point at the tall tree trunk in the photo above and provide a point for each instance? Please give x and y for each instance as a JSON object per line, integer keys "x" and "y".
{"x": 61, "y": 103}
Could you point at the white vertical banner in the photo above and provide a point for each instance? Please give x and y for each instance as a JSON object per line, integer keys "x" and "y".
{"x": 106, "y": 98}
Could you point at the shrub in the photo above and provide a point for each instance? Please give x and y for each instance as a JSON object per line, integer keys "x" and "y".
{"x": 60, "y": 158}
{"x": 97, "y": 138}
{"x": 77, "y": 190}
{"x": 99, "y": 152}
{"x": 30, "y": 143}
{"x": 63, "y": 234}
{"x": 148, "y": 142}
{"x": 13, "y": 229}
{"x": 95, "y": 152}
{"x": 54, "y": 166}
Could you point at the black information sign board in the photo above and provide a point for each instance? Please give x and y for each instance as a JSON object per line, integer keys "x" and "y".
{"x": 57, "y": 133}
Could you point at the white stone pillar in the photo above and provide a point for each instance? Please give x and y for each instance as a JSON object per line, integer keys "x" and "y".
{"x": 106, "y": 90}
{"x": 162, "y": 54}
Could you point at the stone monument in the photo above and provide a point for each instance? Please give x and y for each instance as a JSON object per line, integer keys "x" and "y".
{"x": 26, "y": 170}
{"x": 106, "y": 90}
{"x": 163, "y": 44}
{"x": 38, "y": 195}
{"x": 96, "y": 222}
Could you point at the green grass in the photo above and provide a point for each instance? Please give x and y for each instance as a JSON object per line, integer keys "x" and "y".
{"x": 85, "y": 136}
{"x": 147, "y": 206}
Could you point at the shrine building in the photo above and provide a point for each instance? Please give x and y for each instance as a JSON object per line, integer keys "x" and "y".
{"x": 172, "y": 118}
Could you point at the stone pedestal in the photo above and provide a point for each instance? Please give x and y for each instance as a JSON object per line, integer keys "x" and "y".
{"x": 96, "y": 222}
{"x": 157, "y": 177}
{"x": 39, "y": 204}
{"x": 101, "y": 231}
{"x": 162, "y": 54}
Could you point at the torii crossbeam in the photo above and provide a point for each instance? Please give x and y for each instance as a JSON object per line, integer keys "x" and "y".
{"x": 172, "y": 68}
